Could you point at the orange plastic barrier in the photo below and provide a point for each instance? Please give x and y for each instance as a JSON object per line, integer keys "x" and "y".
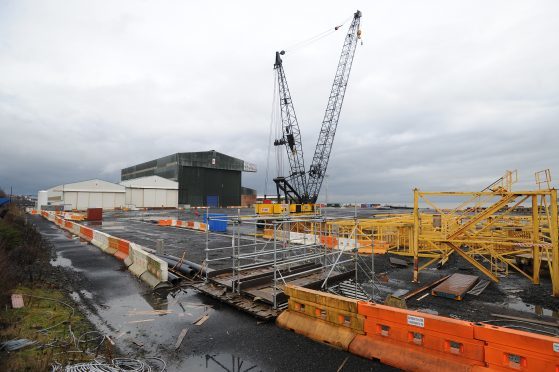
{"x": 518, "y": 350}
{"x": 329, "y": 241}
{"x": 415, "y": 341}
{"x": 429, "y": 341}
{"x": 113, "y": 242}
{"x": 323, "y": 317}
{"x": 123, "y": 247}
{"x": 164, "y": 222}
{"x": 380, "y": 247}
{"x": 86, "y": 233}
{"x": 68, "y": 224}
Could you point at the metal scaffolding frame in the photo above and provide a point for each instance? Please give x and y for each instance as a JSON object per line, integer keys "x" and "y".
{"x": 287, "y": 248}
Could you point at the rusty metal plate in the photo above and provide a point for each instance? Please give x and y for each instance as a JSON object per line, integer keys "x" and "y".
{"x": 456, "y": 286}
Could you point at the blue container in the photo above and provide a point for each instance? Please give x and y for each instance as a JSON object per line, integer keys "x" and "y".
{"x": 218, "y": 221}
{"x": 212, "y": 201}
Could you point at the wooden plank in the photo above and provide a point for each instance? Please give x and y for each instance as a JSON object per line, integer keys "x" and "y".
{"x": 424, "y": 288}
{"x": 180, "y": 338}
{"x": 201, "y": 320}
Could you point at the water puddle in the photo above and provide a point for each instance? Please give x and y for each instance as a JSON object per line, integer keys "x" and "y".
{"x": 219, "y": 363}
{"x": 516, "y": 303}
{"x": 63, "y": 262}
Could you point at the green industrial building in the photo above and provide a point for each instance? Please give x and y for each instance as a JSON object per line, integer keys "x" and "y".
{"x": 207, "y": 178}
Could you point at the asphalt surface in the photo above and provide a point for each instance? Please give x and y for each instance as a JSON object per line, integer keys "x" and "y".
{"x": 143, "y": 323}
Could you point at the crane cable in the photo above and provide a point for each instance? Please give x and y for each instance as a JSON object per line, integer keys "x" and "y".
{"x": 273, "y": 119}
{"x": 295, "y": 47}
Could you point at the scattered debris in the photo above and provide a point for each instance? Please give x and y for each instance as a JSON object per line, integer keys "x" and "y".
{"x": 422, "y": 297}
{"x": 456, "y": 286}
{"x": 141, "y": 321}
{"x": 138, "y": 343}
{"x": 528, "y": 320}
{"x": 201, "y": 320}
{"x": 17, "y": 301}
{"x": 394, "y": 301}
{"x": 383, "y": 277}
{"x": 16, "y": 344}
{"x": 343, "y": 364}
{"x": 117, "y": 364}
{"x": 398, "y": 262}
{"x": 150, "y": 312}
{"x": 479, "y": 287}
{"x": 181, "y": 337}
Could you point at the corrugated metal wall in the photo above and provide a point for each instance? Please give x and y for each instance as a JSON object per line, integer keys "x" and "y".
{"x": 196, "y": 184}
{"x": 165, "y": 167}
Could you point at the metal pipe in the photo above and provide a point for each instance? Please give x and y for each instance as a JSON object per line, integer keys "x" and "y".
{"x": 193, "y": 265}
{"x": 316, "y": 269}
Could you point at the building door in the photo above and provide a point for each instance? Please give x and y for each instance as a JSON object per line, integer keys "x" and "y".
{"x": 212, "y": 201}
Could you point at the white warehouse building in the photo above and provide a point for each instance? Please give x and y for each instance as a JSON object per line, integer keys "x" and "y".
{"x": 151, "y": 192}
{"x": 87, "y": 194}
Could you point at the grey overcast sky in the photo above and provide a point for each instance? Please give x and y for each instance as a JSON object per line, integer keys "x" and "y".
{"x": 443, "y": 95}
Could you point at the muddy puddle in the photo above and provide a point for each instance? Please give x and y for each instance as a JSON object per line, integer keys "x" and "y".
{"x": 219, "y": 363}
{"x": 515, "y": 303}
{"x": 61, "y": 261}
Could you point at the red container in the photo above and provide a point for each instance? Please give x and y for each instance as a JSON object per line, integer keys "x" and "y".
{"x": 95, "y": 214}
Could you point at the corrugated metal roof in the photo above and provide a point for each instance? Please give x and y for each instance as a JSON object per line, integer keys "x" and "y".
{"x": 167, "y": 166}
{"x": 151, "y": 182}
{"x": 4, "y": 201}
{"x": 94, "y": 185}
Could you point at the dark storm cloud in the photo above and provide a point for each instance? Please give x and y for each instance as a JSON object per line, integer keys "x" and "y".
{"x": 443, "y": 95}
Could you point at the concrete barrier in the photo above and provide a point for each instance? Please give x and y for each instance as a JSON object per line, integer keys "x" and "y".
{"x": 147, "y": 267}
{"x": 157, "y": 272}
{"x": 138, "y": 260}
{"x": 100, "y": 240}
{"x": 144, "y": 265}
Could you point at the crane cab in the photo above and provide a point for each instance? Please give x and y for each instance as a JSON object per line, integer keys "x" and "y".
{"x": 279, "y": 209}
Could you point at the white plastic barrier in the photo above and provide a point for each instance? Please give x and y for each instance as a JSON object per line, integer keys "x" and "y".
{"x": 138, "y": 259}
{"x": 101, "y": 240}
{"x": 199, "y": 226}
{"x": 76, "y": 229}
{"x": 302, "y": 238}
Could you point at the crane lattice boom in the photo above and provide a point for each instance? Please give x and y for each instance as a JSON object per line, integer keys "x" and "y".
{"x": 325, "y": 141}
{"x": 297, "y": 187}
